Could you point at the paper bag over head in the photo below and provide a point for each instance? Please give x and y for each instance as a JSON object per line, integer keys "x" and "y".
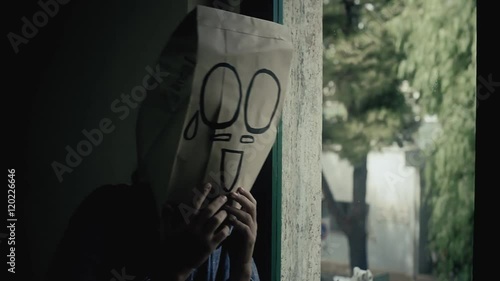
{"x": 214, "y": 118}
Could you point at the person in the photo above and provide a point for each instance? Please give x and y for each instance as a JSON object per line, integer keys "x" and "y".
{"x": 116, "y": 235}
{"x": 130, "y": 232}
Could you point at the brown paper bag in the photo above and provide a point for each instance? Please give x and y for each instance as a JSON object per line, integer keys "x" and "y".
{"x": 214, "y": 118}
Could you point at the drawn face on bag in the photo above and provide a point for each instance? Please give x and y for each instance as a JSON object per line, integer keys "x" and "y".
{"x": 239, "y": 115}
{"x": 215, "y": 117}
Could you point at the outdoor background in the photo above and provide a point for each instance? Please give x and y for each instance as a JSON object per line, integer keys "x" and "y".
{"x": 399, "y": 104}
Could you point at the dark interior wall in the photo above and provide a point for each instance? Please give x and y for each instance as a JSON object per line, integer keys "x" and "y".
{"x": 262, "y": 9}
{"x": 68, "y": 76}
{"x": 262, "y": 191}
{"x": 81, "y": 61}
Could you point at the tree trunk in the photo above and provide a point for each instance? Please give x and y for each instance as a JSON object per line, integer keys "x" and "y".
{"x": 332, "y": 205}
{"x": 352, "y": 223}
{"x": 357, "y": 249}
{"x": 357, "y": 236}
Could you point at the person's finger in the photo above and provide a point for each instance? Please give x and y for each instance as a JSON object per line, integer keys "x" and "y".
{"x": 247, "y": 205}
{"x": 201, "y": 195}
{"x": 241, "y": 215}
{"x": 211, "y": 209}
{"x": 214, "y": 222}
{"x": 222, "y": 234}
{"x": 238, "y": 225}
{"x": 247, "y": 194}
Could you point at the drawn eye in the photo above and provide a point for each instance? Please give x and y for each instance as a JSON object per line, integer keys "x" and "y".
{"x": 221, "y": 86}
{"x": 269, "y": 93}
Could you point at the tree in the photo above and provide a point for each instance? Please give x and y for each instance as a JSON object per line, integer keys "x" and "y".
{"x": 364, "y": 109}
{"x": 438, "y": 39}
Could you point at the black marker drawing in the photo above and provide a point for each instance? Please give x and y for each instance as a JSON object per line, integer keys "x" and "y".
{"x": 229, "y": 174}
{"x": 221, "y": 137}
{"x": 251, "y": 129}
{"x": 192, "y": 122}
{"x": 247, "y": 139}
{"x": 216, "y": 125}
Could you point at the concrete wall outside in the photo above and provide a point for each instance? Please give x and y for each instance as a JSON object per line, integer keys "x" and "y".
{"x": 302, "y": 123}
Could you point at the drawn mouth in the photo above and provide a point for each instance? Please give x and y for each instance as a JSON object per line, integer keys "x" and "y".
{"x": 230, "y": 167}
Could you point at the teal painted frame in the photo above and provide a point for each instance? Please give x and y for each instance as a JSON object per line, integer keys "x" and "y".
{"x": 277, "y": 183}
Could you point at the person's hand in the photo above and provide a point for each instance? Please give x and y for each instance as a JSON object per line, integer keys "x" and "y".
{"x": 189, "y": 243}
{"x": 241, "y": 242}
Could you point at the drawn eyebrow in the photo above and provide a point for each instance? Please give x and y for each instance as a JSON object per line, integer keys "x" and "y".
{"x": 247, "y": 139}
{"x": 221, "y": 137}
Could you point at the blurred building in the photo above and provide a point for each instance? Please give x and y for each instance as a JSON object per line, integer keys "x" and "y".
{"x": 397, "y": 219}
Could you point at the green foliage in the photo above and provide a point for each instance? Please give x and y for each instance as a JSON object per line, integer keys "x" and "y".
{"x": 439, "y": 41}
{"x": 369, "y": 51}
{"x": 360, "y": 77}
